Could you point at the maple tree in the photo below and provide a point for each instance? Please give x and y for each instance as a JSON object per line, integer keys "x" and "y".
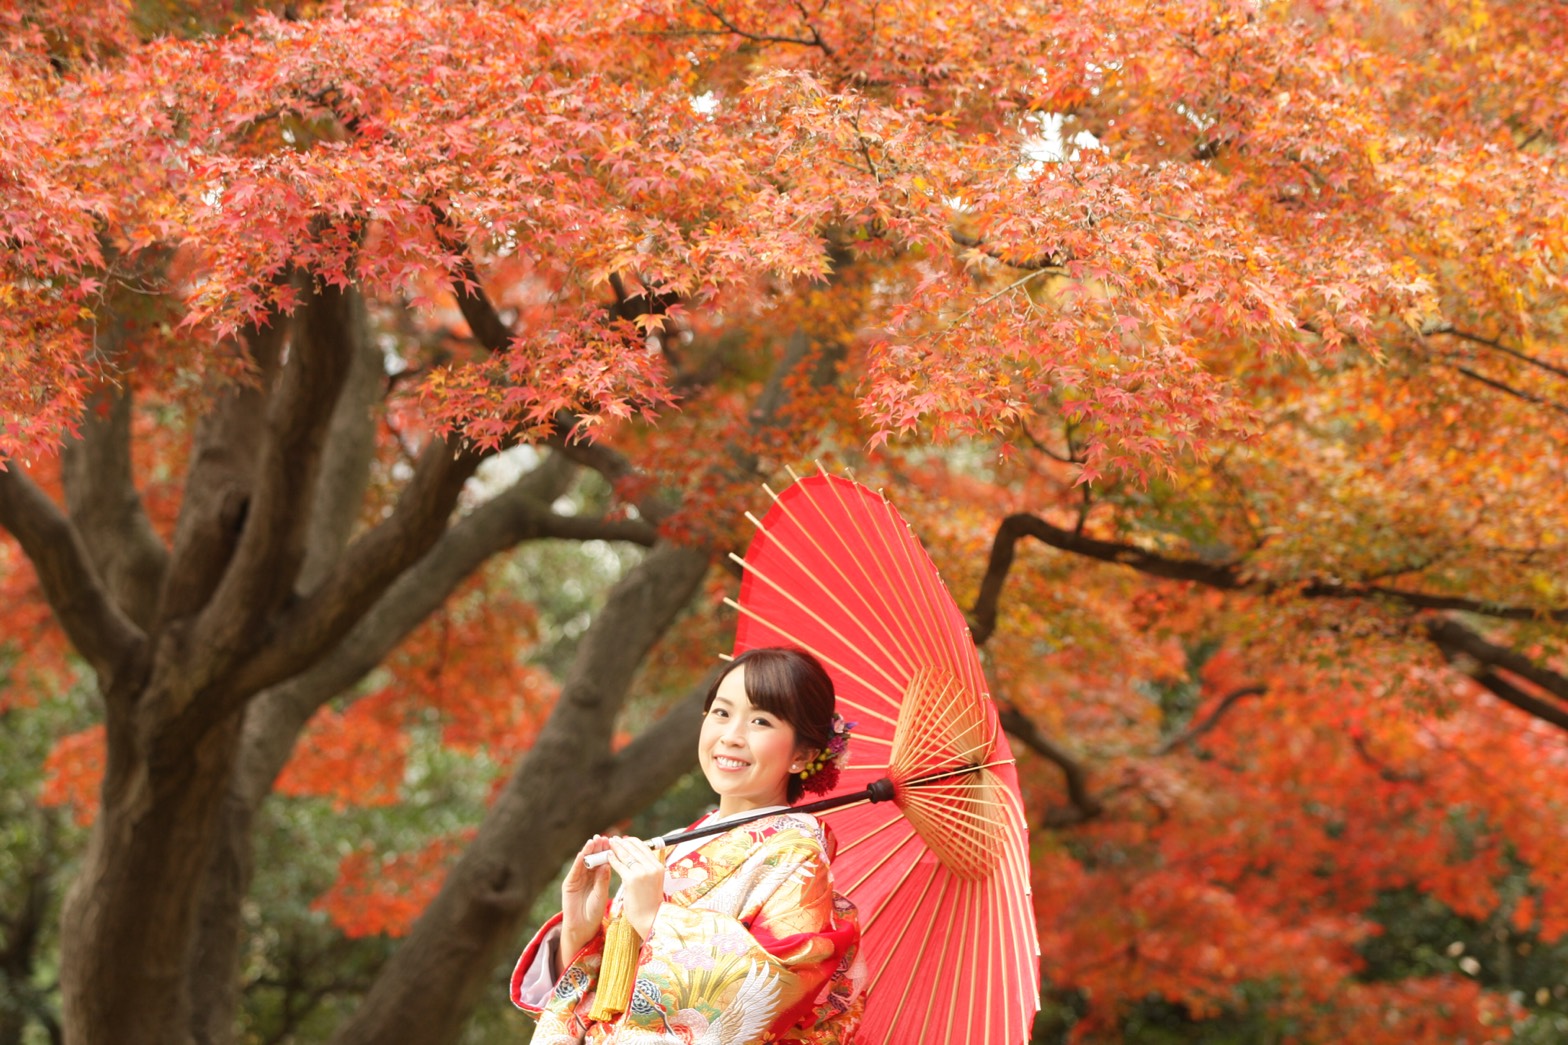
{"x": 1250, "y": 312}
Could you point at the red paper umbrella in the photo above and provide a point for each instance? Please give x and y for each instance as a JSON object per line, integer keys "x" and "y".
{"x": 940, "y": 873}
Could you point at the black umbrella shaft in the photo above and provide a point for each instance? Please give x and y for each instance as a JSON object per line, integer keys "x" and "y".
{"x": 876, "y": 791}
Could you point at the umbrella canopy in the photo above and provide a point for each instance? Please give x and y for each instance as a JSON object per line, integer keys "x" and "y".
{"x": 941, "y": 873}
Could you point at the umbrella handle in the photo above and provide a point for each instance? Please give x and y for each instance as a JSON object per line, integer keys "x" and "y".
{"x": 876, "y": 791}
{"x": 600, "y": 859}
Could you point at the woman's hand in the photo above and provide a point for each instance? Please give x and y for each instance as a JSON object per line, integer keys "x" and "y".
{"x": 585, "y": 892}
{"x": 642, "y": 882}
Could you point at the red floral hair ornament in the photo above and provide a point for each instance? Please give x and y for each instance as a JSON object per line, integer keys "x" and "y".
{"x": 820, "y": 775}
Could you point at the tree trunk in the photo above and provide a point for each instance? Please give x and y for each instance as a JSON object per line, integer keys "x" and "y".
{"x": 128, "y": 924}
{"x": 213, "y": 969}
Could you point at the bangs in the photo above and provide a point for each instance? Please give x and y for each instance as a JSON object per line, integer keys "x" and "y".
{"x": 771, "y": 685}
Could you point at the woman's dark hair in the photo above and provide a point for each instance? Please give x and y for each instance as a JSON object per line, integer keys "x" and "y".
{"x": 793, "y": 685}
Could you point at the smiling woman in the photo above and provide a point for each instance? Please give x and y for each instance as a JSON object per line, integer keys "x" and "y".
{"x": 766, "y": 723}
{"x": 743, "y": 938}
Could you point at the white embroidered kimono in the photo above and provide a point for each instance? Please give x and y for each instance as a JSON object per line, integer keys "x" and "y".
{"x": 751, "y": 945}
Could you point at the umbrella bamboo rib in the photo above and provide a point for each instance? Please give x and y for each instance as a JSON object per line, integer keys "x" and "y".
{"x": 901, "y": 581}
{"x": 935, "y": 607}
{"x": 821, "y": 656}
{"x": 850, "y": 889}
{"x": 959, "y": 696}
{"x": 913, "y": 572}
{"x": 941, "y": 963}
{"x": 894, "y": 611}
{"x": 1016, "y": 871}
{"x": 845, "y": 847}
{"x": 938, "y": 603}
{"x": 943, "y": 743}
{"x": 754, "y": 570}
{"x": 958, "y": 771}
{"x": 858, "y": 618}
{"x": 894, "y": 944}
{"x": 968, "y": 904}
{"x": 924, "y": 939}
{"x": 834, "y": 562}
{"x": 993, "y": 909}
{"x": 898, "y": 611}
{"x": 887, "y": 613}
{"x": 970, "y": 826}
{"x": 967, "y": 851}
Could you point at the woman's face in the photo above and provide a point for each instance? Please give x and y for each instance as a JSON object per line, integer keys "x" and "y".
{"x": 745, "y": 753}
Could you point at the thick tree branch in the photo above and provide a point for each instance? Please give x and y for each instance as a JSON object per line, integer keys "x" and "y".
{"x": 659, "y": 754}
{"x": 1225, "y": 576}
{"x": 1455, "y": 639}
{"x": 1507, "y": 389}
{"x": 377, "y": 557}
{"x": 487, "y": 325}
{"x": 271, "y": 548}
{"x": 1508, "y": 692}
{"x": 539, "y": 818}
{"x": 1211, "y": 720}
{"x": 346, "y": 458}
{"x": 276, "y": 717}
{"x": 1497, "y": 346}
{"x": 101, "y": 494}
{"x": 1084, "y": 805}
{"x": 1015, "y": 527}
{"x": 1483, "y": 661}
{"x": 1451, "y": 637}
{"x": 219, "y": 478}
{"x": 520, "y": 513}
{"x": 371, "y": 564}
{"x": 100, "y": 630}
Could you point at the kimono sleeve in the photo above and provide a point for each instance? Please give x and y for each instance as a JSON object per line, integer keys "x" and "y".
{"x": 756, "y": 956}
{"x": 562, "y": 1014}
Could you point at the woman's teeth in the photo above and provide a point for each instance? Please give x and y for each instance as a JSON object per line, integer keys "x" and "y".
{"x": 729, "y": 763}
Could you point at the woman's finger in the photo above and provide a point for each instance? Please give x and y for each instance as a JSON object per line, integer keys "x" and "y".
{"x": 630, "y": 856}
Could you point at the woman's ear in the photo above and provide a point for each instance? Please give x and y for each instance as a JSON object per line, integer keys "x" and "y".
{"x": 803, "y": 757}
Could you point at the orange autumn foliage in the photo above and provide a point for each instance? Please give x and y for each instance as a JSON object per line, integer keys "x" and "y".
{"x": 73, "y": 774}
{"x": 355, "y": 757}
{"x": 383, "y": 895}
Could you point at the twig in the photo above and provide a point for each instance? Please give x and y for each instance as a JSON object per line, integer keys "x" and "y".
{"x": 1229, "y": 701}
